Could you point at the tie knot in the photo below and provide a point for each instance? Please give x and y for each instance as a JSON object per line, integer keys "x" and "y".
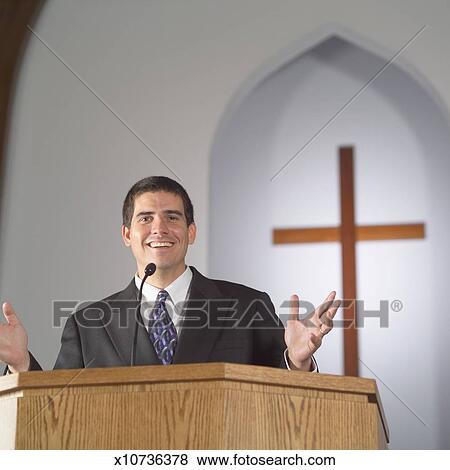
{"x": 162, "y": 296}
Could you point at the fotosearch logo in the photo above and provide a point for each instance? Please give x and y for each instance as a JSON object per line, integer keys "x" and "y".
{"x": 216, "y": 313}
{"x": 358, "y": 306}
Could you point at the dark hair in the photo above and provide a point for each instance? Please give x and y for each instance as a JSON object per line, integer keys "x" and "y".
{"x": 154, "y": 184}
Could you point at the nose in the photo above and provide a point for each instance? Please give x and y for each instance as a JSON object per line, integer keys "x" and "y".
{"x": 159, "y": 226}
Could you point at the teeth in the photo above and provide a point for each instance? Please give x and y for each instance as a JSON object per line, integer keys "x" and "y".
{"x": 160, "y": 244}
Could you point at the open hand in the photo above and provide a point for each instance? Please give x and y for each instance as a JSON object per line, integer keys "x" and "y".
{"x": 13, "y": 341}
{"x": 304, "y": 337}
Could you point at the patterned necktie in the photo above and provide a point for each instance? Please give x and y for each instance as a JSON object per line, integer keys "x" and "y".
{"x": 163, "y": 334}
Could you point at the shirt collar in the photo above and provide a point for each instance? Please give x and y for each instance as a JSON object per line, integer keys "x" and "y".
{"x": 177, "y": 290}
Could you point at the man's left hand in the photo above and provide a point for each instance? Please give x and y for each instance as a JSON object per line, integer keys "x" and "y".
{"x": 304, "y": 337}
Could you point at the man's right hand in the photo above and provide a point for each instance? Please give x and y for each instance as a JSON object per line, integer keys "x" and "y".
{"x": 13, "y": 341}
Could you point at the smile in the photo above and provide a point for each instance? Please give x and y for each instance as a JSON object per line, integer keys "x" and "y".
{"x": 160, "y": 244}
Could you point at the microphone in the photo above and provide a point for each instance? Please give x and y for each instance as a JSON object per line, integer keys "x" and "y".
{"x": 148, "y": 271}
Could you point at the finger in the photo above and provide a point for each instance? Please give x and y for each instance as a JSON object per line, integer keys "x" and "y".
{"x": 326, "y": 320}
{"x": 332, "y": 311}
{"x": 10, "y": 314}
{"x": 325, "y": 305}
{"x": 294, "y": 307}
{"x": 320, "y": 311}
{"x": 326, "y": 326}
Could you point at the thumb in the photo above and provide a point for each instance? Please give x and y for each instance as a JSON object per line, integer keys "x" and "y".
{"x": 10, "y": 314}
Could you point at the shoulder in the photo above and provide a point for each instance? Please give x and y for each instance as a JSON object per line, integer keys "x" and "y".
{"x": 255, "y": 305}
{"x": 227, "y": 289}
{"x": 99, "y": 308}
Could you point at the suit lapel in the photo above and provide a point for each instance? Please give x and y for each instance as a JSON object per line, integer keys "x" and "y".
{"x": 196, "y": 339}
{"x": 120, "y": 324}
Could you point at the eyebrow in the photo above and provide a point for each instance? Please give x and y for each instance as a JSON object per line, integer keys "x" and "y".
{"x": 167, "y": 212}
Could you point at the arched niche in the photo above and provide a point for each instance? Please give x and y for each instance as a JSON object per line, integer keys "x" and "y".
{"x": 401, "y": 136}
{"x": 15, "y": 17}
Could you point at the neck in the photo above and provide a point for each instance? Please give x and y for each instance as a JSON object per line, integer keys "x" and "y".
{"x": 162, "y": 278}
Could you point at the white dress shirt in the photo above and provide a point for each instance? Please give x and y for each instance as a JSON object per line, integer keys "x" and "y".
{"x": 177, "y": 291}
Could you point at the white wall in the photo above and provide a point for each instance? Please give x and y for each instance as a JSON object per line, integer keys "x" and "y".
{"x": 170, "y": 70}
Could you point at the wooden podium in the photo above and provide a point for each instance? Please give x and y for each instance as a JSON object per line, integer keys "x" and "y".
{"x": 192, "y": 406}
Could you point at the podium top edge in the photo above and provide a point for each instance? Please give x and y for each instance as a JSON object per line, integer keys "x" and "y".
{"x": 186, "y": 373}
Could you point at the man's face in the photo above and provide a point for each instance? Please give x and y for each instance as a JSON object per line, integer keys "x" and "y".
{"x": 159, "y": 233}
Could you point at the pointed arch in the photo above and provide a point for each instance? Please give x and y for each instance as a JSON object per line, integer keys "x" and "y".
{"x": 14, "y": 18}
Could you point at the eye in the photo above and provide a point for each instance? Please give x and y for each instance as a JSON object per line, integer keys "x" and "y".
{"x": 144, "y": 219}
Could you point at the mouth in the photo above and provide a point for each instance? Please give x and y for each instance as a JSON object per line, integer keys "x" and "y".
{"x": 160, "y": 244}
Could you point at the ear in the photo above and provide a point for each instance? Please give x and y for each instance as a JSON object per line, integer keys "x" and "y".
{"x": 192, "y": 229}
{"x": 126, "y": 235}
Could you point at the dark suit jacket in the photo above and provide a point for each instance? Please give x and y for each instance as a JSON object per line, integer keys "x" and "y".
{"x": 222, "y": 322}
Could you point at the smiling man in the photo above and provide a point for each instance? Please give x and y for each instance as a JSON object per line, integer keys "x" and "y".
{"x": 186, "y": 317}
{"x": 158, "y": 226}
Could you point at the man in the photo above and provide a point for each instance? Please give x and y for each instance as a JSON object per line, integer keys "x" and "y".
{"x": 192, "y": 319}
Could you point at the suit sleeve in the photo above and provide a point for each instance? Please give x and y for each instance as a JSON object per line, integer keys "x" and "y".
{"x": 269, "y": 342}
{"x": 70, "y": 355}
{"x": 34, "y": 365}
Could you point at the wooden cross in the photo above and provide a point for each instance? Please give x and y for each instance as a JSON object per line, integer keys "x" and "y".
{"x": 348, "y": 234}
